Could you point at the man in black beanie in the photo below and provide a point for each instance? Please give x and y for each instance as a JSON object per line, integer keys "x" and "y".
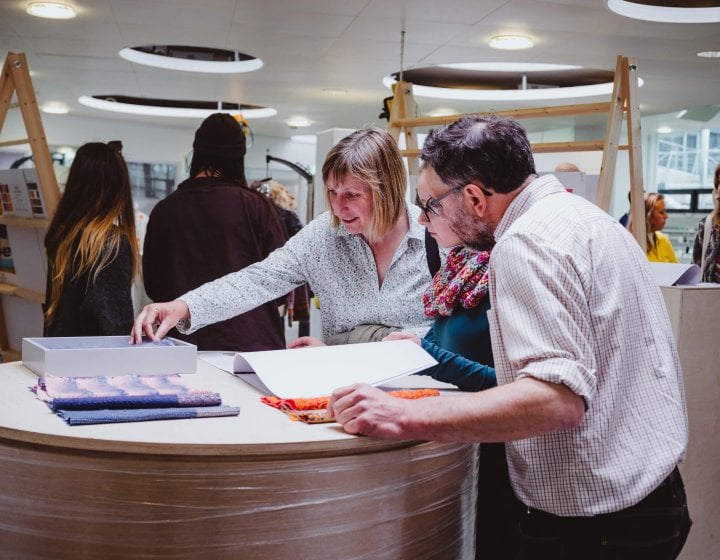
{"x": 213, "y": 224}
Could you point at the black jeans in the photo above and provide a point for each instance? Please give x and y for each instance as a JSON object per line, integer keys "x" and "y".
{"x": 654, "y": 529}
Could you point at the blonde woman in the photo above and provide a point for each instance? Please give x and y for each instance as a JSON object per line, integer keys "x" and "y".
{"x": 659, "y": 247}
{"x": 706, "y": 249}
{"x": 365, "y": 258}
{"x": 92, "y": 248}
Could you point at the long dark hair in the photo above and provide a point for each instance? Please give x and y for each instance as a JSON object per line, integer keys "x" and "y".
{"x": 94, "y": 215}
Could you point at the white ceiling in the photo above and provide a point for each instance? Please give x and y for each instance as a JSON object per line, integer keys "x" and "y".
{"x": 310, "y": 46}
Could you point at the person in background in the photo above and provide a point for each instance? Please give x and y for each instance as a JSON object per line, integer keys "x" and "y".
{"x": 590, "y": 397}
{"x": 213, "y": 224}
{"x": 626, "y": 216}
{"x": 365, "y": 258}
{"x": 297, "y": 304}
{"x": 92, "y": 248}
{"x": 706, "y": 249}
{"x": 659, "y": 247}
{"x": 566, "y": 166}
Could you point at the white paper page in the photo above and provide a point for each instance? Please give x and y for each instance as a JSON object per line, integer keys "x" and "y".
{"x": 671, "y": 274}
{"x": 224, "y": 361}
{"x": 316, "y": 371}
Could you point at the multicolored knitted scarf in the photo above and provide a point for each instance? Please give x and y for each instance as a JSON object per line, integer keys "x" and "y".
{"x": 463, "y": 280}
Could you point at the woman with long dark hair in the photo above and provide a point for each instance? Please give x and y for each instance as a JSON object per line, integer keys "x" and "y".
{"x": 92, "y": 248}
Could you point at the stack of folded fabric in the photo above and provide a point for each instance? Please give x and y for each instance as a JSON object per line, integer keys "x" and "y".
{"x": 314, "y": 411}
{"x": 127, "y": 398}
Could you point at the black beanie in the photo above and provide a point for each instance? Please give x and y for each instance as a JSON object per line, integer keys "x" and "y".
{"x": 220, "y": 135}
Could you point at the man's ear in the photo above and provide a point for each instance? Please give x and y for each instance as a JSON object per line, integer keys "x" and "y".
{"x": 475, "y": 199}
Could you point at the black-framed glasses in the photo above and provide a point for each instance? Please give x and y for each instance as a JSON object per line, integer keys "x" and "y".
{"x": 433, "y": 207}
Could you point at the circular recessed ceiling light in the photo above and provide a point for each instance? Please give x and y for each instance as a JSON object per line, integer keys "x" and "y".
{"x": 510, "y": 42}
{"x": 172, "y": 108}
{"x": 192, "y": 59}
{"x": 664, "y": 129}
{"x": 52, "y": 10}
{"x": 501, "y": 82}
{"x": 298, "y": 122}
{"x": 55, "y": 108}
{"x": 709, "y": 54}
{"x": 335, "y": 91}
{"x": 696, "y": 11}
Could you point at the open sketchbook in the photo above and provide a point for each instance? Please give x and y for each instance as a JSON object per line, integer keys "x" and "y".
{"x": 316, "y": 371}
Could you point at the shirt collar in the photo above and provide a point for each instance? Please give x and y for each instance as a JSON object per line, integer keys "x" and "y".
{"x": 538, "y": 189}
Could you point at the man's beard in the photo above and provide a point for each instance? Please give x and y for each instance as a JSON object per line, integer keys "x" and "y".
{"x": 473, "y": 232}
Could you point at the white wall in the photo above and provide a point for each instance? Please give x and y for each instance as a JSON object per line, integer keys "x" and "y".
{"x": 147, "y": 142}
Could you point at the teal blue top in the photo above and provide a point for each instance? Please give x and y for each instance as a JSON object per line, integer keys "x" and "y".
{"x": 461, "y": 345}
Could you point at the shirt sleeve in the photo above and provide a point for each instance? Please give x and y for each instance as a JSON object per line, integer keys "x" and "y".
{"x": 544, "y": 320}
{"x": 235, "y": 293}
{"x": 456, "y": 369}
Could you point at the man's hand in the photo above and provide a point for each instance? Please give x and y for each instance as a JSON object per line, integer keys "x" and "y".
{"x": 163, "y": 315}
{"x": 365, "y": 410}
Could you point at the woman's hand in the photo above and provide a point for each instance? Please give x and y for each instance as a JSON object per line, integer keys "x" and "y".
{"x": 305, "y": 342}
{"x": 403, "y": 335}
{"x": 163, "y": 315}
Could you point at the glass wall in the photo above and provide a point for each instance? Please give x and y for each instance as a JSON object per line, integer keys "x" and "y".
{"x": 683, "y": 171}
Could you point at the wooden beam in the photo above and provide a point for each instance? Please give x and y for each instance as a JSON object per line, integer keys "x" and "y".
{"x": 14, "y": 142}
{"x": 547, "y": 148}
{"x": 612, "y": 140}
{"x": 36, "y": 133}
{"x": 632, "y": 107}
{"x": 539, "y": 112}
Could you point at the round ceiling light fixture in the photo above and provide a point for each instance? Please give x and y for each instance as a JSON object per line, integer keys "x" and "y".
{"x": 192, "y": 59}
{"x": 52, "y": 10}
{"x": 693, "y": 11}
{"x": 510, "y": 42}
{"x": 496, "y": 81}
{"x": 55, "y": 108}
{"x": 172, "y": 108}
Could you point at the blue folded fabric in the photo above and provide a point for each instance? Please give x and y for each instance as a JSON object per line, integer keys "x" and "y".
{"x": 136, "y": 401}
{"x": 86, "y": 417}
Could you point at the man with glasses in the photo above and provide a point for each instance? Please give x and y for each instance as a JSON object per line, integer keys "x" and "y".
{"x": 590, "y": 398}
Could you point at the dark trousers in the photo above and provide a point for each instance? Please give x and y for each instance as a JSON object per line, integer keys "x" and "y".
{"x": 654, "y": 529}
{"x": 498, "y": 510}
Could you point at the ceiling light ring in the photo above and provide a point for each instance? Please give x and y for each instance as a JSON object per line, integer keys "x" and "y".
{"x": 237, "y": 66}
{"x": 663, "y": 14}
{"x": 109, "y": 103}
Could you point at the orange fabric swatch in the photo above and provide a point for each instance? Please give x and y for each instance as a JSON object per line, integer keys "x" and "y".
{"x": 313, "y": 409}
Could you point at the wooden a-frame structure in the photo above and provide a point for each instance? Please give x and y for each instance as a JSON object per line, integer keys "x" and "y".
{"x": 15, "y": 82}
{"x": 623, "y": 103}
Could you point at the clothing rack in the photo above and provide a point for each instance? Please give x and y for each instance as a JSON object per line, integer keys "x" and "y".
{"x": 622, "y": 103}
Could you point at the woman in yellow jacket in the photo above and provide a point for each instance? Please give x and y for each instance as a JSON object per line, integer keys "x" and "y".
{"x": 659, "y": 247}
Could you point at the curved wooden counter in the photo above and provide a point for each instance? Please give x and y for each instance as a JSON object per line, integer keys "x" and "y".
{"x": 246, "y": 487}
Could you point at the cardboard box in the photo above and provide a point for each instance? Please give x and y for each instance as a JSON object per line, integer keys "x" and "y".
{"x": 694, "y": 312}
{"x": 106, "y": 356}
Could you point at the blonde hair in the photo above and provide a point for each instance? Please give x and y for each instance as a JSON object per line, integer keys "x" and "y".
{"x": 651, "y": 199}
{"x": 371, "y": 156}
{"x": 281, "y": 196}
